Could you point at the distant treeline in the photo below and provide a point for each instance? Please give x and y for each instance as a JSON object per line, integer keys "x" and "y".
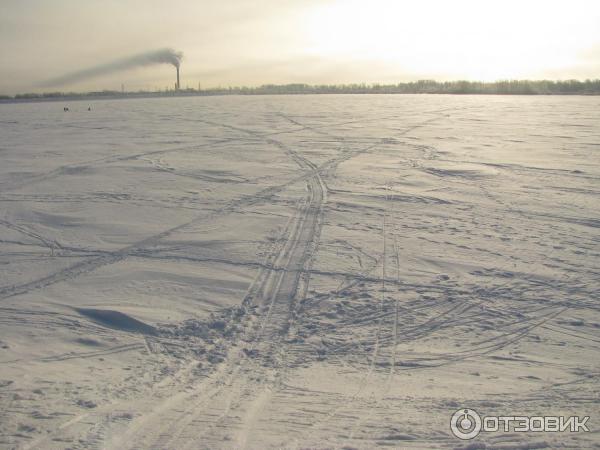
{"x": 508, "y": 87}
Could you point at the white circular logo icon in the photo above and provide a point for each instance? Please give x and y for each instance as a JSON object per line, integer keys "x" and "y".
{"x": 465, "y": 424}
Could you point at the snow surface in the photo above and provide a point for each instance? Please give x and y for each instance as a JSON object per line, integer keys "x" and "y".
{"x": 297, "y": 271}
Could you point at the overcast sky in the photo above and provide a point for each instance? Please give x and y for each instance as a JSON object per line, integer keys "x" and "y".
{"x": 250, "y": 42}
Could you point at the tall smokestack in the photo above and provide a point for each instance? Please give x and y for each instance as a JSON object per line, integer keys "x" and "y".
{"x": 177, "y": 85}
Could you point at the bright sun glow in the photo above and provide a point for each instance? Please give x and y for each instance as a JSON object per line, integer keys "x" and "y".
{"x": 456, "y": 39}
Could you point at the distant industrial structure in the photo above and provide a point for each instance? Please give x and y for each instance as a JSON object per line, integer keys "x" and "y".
{"x": 161, "y": 56}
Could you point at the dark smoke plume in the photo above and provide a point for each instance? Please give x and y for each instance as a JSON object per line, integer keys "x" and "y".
{"x": 162, "y": 56}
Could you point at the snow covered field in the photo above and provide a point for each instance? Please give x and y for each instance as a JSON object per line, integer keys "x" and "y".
{"x": 309, "y": 271}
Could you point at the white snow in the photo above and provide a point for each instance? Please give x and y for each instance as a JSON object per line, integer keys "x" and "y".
{"x": 297, "y": 271}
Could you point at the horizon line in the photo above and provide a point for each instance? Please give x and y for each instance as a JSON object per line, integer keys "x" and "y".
{"x": 423, "y": 86}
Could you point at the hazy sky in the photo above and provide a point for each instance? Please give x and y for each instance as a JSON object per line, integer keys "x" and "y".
{"x": 249, "y": 42}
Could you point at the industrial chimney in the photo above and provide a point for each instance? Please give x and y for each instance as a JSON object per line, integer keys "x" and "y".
{"x": 177, "y": 84}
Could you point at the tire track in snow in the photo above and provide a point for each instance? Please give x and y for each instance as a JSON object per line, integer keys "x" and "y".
{"x": 277, "y": 300}
{"x": 275, "y": 294}
{"x": 374, "y": 353}
{"x": 377, "y": 399}
{"x": 328, "y": 417}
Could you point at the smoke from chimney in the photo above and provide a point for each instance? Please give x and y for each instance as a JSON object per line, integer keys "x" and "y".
{"x": 162, "y": 56}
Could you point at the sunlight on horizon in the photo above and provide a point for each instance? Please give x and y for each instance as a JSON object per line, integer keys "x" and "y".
{"x": 255, "y": 42}
{"x": 465, "y": 39}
